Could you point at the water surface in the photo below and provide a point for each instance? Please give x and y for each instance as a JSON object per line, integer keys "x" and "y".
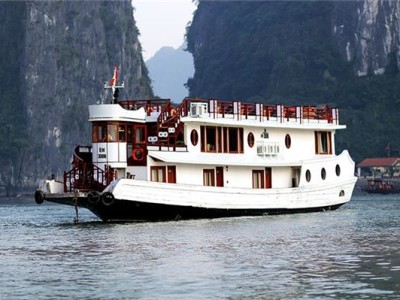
{"x": 350, "y": 253}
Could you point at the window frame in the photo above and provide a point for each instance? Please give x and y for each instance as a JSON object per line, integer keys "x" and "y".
{"x": 157, "y": 170}
{"x": 323, "y": 139}
{"x": 208, "y": 177}
{"x": 258, "y": 179}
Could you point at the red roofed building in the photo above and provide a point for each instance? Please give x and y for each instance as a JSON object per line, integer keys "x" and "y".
{"x": 379, "y": 167}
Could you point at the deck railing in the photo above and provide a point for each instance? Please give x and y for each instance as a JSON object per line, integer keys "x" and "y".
{"x": 237, "y": 110}
{"x": 263, "y": 112}
{"x": 84, "y": 175}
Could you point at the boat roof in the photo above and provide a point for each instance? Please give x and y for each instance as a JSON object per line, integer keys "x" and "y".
{"x": 379, "y": 162}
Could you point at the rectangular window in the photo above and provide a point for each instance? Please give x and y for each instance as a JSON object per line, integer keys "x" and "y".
{"x": 129, "y": 134}
{"x": 94, "y": 134}
{"x": 102, "y": 133}
{"x": 203, "y": 138}
{"x": 111, "y": 133}
{"x": 225, "y": 139}
{"x": 121, "y": 133}
{"x": 157, "y": 174}
{"x": 140, "y": 134}
{"x": 211, "y": 138}
{"x": 233, "y": 139}
{"x": 221, "y": 139}
{"x": 240, "y": 140}
{"x": 258, "y": 179}
{"x": 323, "y": 142}
{"x": 208, "y": 177}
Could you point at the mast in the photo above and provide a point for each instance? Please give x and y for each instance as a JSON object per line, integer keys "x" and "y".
{"x": 114, "y": 85}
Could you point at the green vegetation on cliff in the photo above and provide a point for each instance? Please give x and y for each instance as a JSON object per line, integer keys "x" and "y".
{"x": 13, "y": 131}
{"x": 54, "y": 58}
{"x": 284, "y": 52}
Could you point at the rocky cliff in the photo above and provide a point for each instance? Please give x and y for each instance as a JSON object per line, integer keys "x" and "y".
{"x": 344, "y": 53}
{"x": 65, "y": 50}
{"x": 366, "y": 32}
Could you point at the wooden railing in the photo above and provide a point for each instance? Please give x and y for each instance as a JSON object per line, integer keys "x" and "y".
{"x": 265, "y": 112}
{"x": 84, "y": 175}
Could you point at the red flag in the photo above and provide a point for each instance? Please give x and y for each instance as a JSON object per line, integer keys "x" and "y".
{"x": 113, "y": 81}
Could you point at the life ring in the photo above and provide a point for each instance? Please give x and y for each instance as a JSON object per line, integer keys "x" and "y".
{"x": 93, "y": 197}
{"x": 173, "y": 112}
{"x": 138, "y": 154}
{"x": 39, "y": 197}
{"x": 107, "y": 199}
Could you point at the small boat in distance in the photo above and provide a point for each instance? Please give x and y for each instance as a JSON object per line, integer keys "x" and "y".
{"x": 151, "y": 160}
{"x": 382, "y": 186}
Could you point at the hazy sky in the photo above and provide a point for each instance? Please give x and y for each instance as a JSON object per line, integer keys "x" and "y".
{"x": 162, "y": 23}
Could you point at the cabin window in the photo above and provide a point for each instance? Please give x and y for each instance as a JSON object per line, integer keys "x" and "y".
{"x": 308, "y": 175}
{"x": 157, "y": 174}
{"x": 337, "y": 170}
{"x": 233, "y": 140}
{"x": 194, "y": 137}
{"x": 221, "y": 139}
{"x": 121, "y": 133}
{"x": 101, "y": 133}
{"x": 323, "y": 142}
{"x": 250, "y": 139}
{"x": 262, "y": 179}
{"x": 111, "y": 133}
{"x": 219, "y": 147}
{"x": 323, "y": 173}
{"x": 95, "y": 132}
{"x": 208, "y": 177}
{"x": 258, "y": 179}
{"x": 210, "y": 138}
{"x": 140, "y": 134}
{"x": 129, "y": 135}
{"x": 288, "y": 141}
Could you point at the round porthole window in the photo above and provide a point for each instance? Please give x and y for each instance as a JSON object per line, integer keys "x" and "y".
{"x": 288, "y": 141}
{"x": 194, "y": 137}
{"x": 323, "y": 173}
{"x": 250, "y": 139}
{"x": 337, "y": 169}
{"x": 308, "y": 175}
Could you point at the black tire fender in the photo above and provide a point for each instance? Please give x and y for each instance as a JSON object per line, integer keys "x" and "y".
{"x": 107, "y": 199}
{"x": 39, "y": 196}
{"x": 93, "y": 197}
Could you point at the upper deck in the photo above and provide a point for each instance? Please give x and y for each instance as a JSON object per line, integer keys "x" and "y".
{"x": 216, "y": 111}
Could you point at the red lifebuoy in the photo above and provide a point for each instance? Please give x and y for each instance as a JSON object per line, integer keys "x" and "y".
{"x": 138, "y": 154}
{"x": 173, "y": 112}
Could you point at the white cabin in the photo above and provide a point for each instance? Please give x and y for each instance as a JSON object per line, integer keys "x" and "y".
{"x": 216, "y": 143}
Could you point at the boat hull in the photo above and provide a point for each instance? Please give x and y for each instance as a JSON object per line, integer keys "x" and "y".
{"x": 125, "y": 210}
{"x": 133, "y": 200}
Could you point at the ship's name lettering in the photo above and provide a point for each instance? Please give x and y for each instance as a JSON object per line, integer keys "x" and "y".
{"x": 102, "y": 152}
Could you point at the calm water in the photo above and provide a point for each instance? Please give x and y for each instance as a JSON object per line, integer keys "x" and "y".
{"x": 351, "y": 253}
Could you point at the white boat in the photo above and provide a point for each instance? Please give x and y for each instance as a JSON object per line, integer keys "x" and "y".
{"x": 152, "y": 160}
